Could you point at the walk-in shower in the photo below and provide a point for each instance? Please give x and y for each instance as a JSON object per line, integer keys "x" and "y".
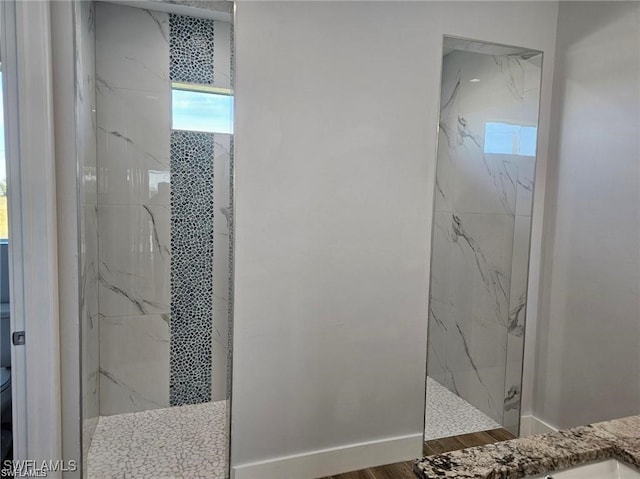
{"x": 481, "y": 232}
{"x": 156, "y": 88}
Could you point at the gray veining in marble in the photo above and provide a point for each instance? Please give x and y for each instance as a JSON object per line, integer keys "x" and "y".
{"x": 481, "y": 229}
{"x": 133, "y": 95}
{"x": 134, "y": 213}
{"x": 134, "y": 363}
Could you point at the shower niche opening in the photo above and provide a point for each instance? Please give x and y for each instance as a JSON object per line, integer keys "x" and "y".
{"x": 481, "y": 235}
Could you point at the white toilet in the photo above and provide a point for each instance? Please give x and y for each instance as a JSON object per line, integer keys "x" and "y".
{"x": 5, "y": 351}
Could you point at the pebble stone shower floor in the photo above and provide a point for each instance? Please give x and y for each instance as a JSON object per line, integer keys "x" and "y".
{"x": 449, "y": 415}
{"x": 191, "y": 441}
{"x": 168, "y": 443}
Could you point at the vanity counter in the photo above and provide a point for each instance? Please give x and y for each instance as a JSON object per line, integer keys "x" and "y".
{"x": 617, "y": 439}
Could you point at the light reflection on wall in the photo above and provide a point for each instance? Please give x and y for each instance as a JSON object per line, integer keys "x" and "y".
{"x": 510, "y": 139}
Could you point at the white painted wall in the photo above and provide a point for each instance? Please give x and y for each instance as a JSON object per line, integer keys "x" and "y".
{"x": 588, "y": 356}
{"x": 33, "y": 253}
{"x": 336, "y": 115}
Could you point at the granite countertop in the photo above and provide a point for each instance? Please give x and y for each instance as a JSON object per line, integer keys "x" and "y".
{"x": 617, "y": 439}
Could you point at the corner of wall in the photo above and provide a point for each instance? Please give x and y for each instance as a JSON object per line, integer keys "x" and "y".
{"x": 540, "y": 224}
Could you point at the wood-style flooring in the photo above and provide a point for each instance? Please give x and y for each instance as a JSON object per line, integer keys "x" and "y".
{"x": 404, "y": 470}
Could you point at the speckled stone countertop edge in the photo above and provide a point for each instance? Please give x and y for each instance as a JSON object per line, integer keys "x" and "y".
{"x": 527, "y": 456}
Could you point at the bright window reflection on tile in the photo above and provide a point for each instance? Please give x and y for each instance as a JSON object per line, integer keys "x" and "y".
{"x": 202, "y": 111}
{"x": 510, "y": 139}
{"x": 158, "y": 182}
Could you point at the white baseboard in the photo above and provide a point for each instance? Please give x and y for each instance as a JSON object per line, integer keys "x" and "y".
{"x": 530, "y": 425}
{"x": 326, "y": 462}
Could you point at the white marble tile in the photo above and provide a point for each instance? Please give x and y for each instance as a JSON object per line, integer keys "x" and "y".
{"x": 446, "y": 165}
{"x": 487, "y": 183}
{"x": 134, "y": 363}
{"x": 440, "y": 317}
{"x": 221, "y": 265}
{"x": 134, "y": 260}
{"x": 519, "y": 274}
{"x": 526, "y": 177}
{"x": 483, "y": 389}
{"x": 219, "y": 349}
{"x": 436, "y": 347}
{"x": 532, "y": 72}
{"x": 513, "y": 382}
{"x": 221, "y": 246}
{"x": 221, "y": 174}
{"x": 501, "y": 82}
{"x": 476, "y": 366}
{"x": 222, "y": 54}
{"x": 89, "y": 311}
{"x": 133, "y": 145}
{"x": 517, "y": 309}
{"x": 512, "y": 69}
{"x": 90, "y": 181}
{"x": 220, "y": 333}
{"x": 476, "y": 336}
{"x": 90, "y": 359}
{"x": 511, "y": 422}
{"x": 484, "y": 183}
{"x": 529, "y": 107}
{"x": 169, "y": 443}
{"x": 472, "y": 340}
{"x": 450, "y": 89}
{"x": 86, "y": 105}
{"x": 481, "y": 267}
{"x": 132, "y": 47}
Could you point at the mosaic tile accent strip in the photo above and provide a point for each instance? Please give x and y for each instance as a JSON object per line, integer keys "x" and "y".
{"x": 191, "y": 49}
{"x": 191, "y": 267}
{"x": 169, "y": 443}
{"x": 449, "y": 415}
{"x": 231, "y": 244}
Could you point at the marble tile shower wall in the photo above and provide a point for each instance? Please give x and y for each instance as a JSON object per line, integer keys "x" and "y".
{"x": 481, "y": 234}
{"x": 222, "y": 267}
{"x": 84, "y": 19}
{"x": 133, "y": 116}
{"x": 133, "y": 89}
